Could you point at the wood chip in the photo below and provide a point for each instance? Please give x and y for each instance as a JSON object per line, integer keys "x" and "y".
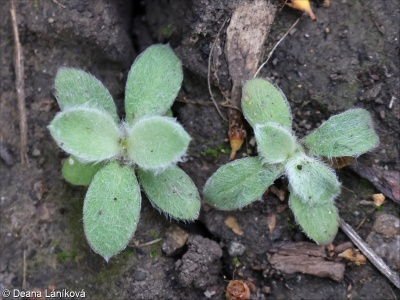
{"x": 232, "y": 223}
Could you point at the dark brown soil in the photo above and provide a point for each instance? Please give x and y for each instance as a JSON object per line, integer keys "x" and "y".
{"x": 348, "y": 58}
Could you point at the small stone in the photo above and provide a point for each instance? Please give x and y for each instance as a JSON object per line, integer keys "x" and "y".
{"x": 50, "y": 20}
{"x": 236, "y": 249}
{"x": 382, "y": 114}
{"x": 36, "y": 152}
{"x": 175, "y": 239}
{"x": 209, "y": 294}
{"x": 306, "y": 35}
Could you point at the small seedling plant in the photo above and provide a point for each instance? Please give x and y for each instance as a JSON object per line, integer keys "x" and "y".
{"x": 113, "y": 156}
{"x": 313, "y": 185}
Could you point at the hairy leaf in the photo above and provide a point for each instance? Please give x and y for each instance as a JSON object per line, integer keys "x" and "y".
{"x": 75, "y": 87}
{"x": 275, "y": 143}
{"x": 172, "y": 192}
{"x": 239, "y": 183}
{"x": 319, "y": 222}
{"x": 155, "y": 143}
{"x": 350, "y": 133}
{"x": 263, "y": 102}
{"x": 153, "y": 82}
{"x": 78, "y": 173}
{"x": 111, "y": 209}
{"x": 311, "y": 180}
{"x": 87, "y": 133}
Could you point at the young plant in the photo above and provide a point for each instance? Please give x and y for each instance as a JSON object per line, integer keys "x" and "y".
{"x": 111, "y": 156}
{"x": 313, "y": 185}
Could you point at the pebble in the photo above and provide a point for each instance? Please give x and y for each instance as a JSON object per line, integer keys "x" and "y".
{"x": 175, "y": 239}
{"x": 236, "y": 249}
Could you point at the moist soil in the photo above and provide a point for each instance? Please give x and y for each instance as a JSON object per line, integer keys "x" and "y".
{"x": 348, "y": 58}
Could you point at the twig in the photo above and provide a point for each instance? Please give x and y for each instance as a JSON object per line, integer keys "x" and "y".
{"x": 206, "y": 103}
{"x": 24, "y": 271}
{"x": 369, "y": 253}
{"x": 56, "y": 2}
{"x": 20, "y": 87}
{"x": 276, "y": 45}
{"x": 209, "y": 70}
{"x": 366, "y": 217}
{"x": 150, "y": 243}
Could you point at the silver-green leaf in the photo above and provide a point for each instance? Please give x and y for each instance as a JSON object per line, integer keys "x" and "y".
{"x": 350, "y": 133}
{"x": 311, "y": 180}
{"x": 275, "y": 143}
{"x": 78, "y": 173}
{"x": 75, "y": 87}
{"x": 111, "y": 209}
{"x": 239, "y": 183}
{"x": 171, "y": 192}
{"x": 155, "y": 143}
{"x": 264, "y": 102}
{"x": 319, "y": 222}
{"x": 153, "y": 82}
{"x": 87, "y": 133}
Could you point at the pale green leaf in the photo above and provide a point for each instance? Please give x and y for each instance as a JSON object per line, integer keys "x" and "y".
{"x": 311, "y": 180}
{"x": 75, "y": 87}
{"x": 153, "y": 82}
{"x": 111, "y": 209}
{"x": 264, "y": 102}
{"x": 87, "y": 133}
{"x": 319, "y": 222}
{"x": 350, "y": 133}
{"x": 78, "y": 173}
{"x": 172, "y": 192}
{"x": 239, "y": 183}
{"x": 275, "y": 143}
{"x": 155, "y": 143}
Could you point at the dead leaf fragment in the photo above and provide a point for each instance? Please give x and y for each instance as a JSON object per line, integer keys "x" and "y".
{"x": 237, "y": 290}
{"x": 232, "y": 223}
{"x": 271, "y": 220}
{"x": 281, "y": 194}
{"x": 354, "y": 255}
{"x": 303, "y": 5}
{"x": 378, "y": 199}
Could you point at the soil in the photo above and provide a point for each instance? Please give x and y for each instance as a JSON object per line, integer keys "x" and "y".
{"x": 347, "y": 58}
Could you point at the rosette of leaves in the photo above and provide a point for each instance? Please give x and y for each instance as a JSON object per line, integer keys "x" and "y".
{"x": 113, "y": 156}
{"x": 313, "y": 185}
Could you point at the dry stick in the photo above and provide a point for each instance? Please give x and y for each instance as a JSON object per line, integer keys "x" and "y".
{"x": 205, "y": 103}
{"x": 209, "y": 70}
{"x": 276, "y": 45}
{"x": 149, "y": 243}
{"x": 369, "y": 253}
{"x": 58, "y": 3}
{"x": 20, "y": 86}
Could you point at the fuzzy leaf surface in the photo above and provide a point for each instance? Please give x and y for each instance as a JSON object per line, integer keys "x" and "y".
{"x": 87, "y": 133}
{"x": 78, "y": 173}
{"x": 155, "y": 143}
{"x": 75, "y": 87}
{"x": 319, "y": 222}
{"x": 350, "y": 133}
{"x": 263, "y": 102}
{"x": 239, "y": 183}
{"x": 171, "y": 192}
{"x": 111, "y": 209}
{"x": 153, "y": 82}
{"x": 275, "y": 143}
{"x": 311, "y": 180}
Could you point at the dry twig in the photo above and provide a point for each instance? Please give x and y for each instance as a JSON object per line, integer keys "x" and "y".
{"x": 276, "y": 45}
{"x": 20, "y": 87}
{"x": 370, "y": 254}
{"x": 58, "y": 3}
{"x": 209, "y": 70}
